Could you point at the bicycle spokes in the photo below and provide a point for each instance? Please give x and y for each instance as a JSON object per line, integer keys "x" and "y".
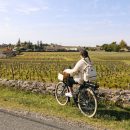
{"x": 60, "y": 91}
{"x": 87, "y": 102}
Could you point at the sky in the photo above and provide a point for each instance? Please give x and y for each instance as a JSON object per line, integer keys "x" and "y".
{"x": 65, "y": 22}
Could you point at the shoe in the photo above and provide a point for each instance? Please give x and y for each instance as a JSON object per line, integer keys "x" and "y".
{"x": 69, "y": 94}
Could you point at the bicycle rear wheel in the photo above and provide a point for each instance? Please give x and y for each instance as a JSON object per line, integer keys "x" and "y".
{"x": 60, "y": 91}
{"x": 87, "y": 102}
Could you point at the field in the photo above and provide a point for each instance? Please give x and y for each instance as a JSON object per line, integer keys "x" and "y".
{"x": 113, "y": 69}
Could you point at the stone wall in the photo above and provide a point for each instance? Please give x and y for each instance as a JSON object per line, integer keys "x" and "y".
{"x": 29, "y": 86}
{"x": 2, "y": 55}
{"x": 120, "y": 97}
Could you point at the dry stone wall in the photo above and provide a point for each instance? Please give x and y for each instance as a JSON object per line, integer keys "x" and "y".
{"x": 29, "y": 86}
{"x": 117, "y": 96}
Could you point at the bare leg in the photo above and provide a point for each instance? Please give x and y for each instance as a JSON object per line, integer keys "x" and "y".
{"x": 71, "y": 89}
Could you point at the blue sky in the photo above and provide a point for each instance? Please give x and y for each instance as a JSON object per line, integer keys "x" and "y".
{"x": 67, "y": 22}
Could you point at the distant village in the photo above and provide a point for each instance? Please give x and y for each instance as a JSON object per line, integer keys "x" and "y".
{"x": 9, "y": 50}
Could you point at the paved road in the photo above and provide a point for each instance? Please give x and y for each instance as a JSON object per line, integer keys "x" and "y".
{"x": 10, "y": 120}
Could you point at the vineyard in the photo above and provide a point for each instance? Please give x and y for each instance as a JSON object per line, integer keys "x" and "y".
{"x": 113, "y": 69}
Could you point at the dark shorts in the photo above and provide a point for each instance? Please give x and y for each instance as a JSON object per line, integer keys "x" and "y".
{"x": 70, "y": 81}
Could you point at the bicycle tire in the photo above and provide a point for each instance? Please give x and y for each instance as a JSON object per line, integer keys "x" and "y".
{"x": 60, "y": 91}
{"x": 87, "y": 102}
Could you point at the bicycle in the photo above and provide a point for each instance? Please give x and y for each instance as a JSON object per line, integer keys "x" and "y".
{"x": 86, "y": 97}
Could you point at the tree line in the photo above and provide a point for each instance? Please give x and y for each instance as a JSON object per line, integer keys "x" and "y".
{"x": 114, "y": 47}
{"x": 29, "y": 46}
{"x": 40, "y": 46}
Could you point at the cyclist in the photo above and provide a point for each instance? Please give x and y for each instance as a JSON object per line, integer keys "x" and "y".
{"x": 76, "y": 75}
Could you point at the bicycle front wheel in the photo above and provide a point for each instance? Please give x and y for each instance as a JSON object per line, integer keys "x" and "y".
{"x": 60, "y": 91}
{"x": 87, "y": 102}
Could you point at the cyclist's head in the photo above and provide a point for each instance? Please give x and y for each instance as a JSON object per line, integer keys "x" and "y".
{"x": 84, "y": 53}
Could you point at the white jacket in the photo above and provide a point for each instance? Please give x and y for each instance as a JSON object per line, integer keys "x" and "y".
{"x": 78, "y": 71}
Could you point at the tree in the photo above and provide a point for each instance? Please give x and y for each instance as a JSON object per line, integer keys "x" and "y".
{"x": 123, "y": 44}
{"x": 18, "y": 44}
{"x": 106, "y": 47}
{"x": 114, "y": 47}
{"x": 29, "y": 45}
{"x": 111, "y": 47}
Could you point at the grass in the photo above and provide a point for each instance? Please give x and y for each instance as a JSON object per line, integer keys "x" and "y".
{"x": 108, "y": 116}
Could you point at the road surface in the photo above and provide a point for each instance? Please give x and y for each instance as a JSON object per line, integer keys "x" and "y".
{"x": 10, "y": 120}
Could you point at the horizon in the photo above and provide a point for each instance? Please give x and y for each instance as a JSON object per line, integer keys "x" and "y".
{"x": 75, "y": 22}
{"x": 35, "y": 43}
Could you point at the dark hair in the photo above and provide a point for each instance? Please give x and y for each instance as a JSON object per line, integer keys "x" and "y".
{"x": 84, "y": 54}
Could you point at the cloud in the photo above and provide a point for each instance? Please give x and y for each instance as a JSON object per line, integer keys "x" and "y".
{"x": 5, "y": 23}
{"x": 59, "y": 16}
{"x": 25, "y": 7}
{"x": 44, "y": 8}
{"x": 3, "y": 7}
{"x": 29, "y": 10}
